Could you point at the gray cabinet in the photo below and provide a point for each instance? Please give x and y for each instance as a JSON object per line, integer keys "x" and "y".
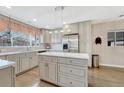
{"x": 46, "y": 37}
{"x": 63, "y": 71}
{"x": 24, "y": 62}
{"x": 71, "y": 28}
{"x": 7, "y": 78}
{"x": 56, "y": 36}
{"x": 53, "y": 72}
{"x": 48, "y": 72}
{"x": 15, "y": 58}
{"x": 72, "y": 72}
{"x": 44, "y": 70}
{"x": 48, "y": 69}
{"x": 33, "y": 59}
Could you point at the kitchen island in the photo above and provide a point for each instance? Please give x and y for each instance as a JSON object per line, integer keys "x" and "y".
{"x": 7, "y": 73}
{"x": 64, "y": 69}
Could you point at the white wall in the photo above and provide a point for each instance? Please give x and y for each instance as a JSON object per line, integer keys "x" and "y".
{"x": 109, "y": 56}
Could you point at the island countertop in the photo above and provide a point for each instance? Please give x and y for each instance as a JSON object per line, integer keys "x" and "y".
{"x": 64, "y": 54}
{"x": 5, "y": 63}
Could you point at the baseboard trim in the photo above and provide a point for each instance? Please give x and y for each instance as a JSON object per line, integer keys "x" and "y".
{"x": 120, "y": 68}
{"x": 108, "y": 65}
{"x": 20, "y": 73}
{"x": 49, "y": 82}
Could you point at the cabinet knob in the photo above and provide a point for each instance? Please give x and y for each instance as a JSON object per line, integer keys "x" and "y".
{"x": 70, "y": 82}
{"x": 70, "y": 61}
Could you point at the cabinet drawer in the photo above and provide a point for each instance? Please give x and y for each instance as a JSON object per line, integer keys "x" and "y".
{"x": 47, "y": 59}
{"x": 73, "y": 70}
{"x": 70, "y": 82}
{"x": 77, "y": 62}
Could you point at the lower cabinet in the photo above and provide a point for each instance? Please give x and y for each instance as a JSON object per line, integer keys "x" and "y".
{"x": 68, "y": 81}
{"x": 53, "y": 72}
{"x": 44, "y": 71}
{"x": 15, "y": 58}
{"x": 33, "y": 59}
{"x": 48, "y": 72}
{"x": 24, "y": 62}
{"x": 66, "y": 72}
{"x": 7, "y": 78}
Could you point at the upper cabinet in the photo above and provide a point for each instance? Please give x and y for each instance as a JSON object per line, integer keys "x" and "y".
{"x": 46, "y": 36}
{"x": 56, "y": 37}
{"x": 71, "y": 28}
{"x": 52, "y": 36}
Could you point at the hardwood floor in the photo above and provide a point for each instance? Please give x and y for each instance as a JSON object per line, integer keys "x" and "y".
{"x": 98, "y": 77}
{"x": 31, "y": 79}
{"x": 106, "y": 77}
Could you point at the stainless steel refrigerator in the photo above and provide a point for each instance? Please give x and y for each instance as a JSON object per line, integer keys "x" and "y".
{"x": 71, "y": 43}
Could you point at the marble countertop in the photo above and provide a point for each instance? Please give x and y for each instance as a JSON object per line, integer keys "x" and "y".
{"x": 10, "y": 53}
{"x": 68, "y": 55}
{"x": 5, "y": 63}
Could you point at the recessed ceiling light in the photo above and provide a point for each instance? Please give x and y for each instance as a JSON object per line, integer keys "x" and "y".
{"x": 64, "y": 23}
{"x": 34, "y": 19}
{"x": 8, "y": 7}
{"x": 61, "y": 31}
{"x": 56, "y": 31}
{"x": 50, "y": 32}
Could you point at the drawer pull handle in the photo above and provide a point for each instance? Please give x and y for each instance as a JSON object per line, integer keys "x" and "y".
{"x": 70, "y": 82}
{"x": 70, "y": 70}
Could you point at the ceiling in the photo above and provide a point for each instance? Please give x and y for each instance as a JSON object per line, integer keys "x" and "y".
{"x": 46, "y": 17}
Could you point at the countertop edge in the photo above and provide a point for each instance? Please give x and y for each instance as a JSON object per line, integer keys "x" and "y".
{"x": 43, "y": 54}
{"x": 9, "y": 63}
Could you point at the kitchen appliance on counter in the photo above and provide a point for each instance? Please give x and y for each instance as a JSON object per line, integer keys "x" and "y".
{"x": 71, "y": 43}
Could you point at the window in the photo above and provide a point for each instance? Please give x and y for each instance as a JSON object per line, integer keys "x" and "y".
{"x": 119, "y": 38}
{"x": 20, "y": 39}
{"x": 14, "y": 33}
{"x": 115, "y": 38}
{"x": 5, "y": 38}
{"x": 111, "y": 38}
{"x": 32, "y": 41}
